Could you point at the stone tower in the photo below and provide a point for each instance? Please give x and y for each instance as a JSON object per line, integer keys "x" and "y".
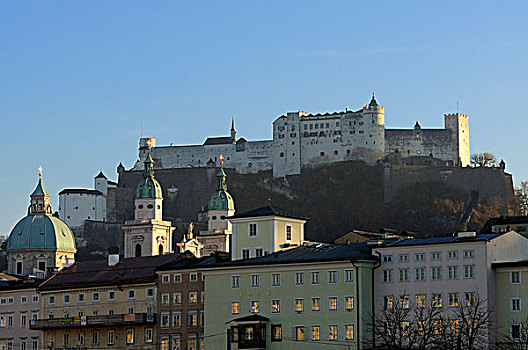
{"x": 458, "y": 123}
{"x": 374, "y": 116}
{"x": 148, "y": 234}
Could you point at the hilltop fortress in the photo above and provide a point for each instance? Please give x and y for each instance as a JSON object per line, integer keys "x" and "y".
{"x": 308, "y": 140}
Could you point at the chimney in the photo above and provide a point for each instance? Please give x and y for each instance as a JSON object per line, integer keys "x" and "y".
{"x": 113, "y": 256}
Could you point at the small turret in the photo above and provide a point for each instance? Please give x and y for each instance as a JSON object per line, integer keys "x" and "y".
{"x": 39, "y": 203}
{"x": 373, "y": 102}
{"x": 233, "y": 130}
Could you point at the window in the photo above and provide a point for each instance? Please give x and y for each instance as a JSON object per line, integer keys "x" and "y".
{"x": 332, "y": 332}
{"x": 252, "y": 230}
{"x": 452, "y": 272}
{"x": 403, "y": 275}
{"x": 419, "y": 257}
{"x": 332, "y": 303}
{"x": 245, "y": 253}
{"x": 314, "y": 277}
{"x": 131, "y": 294}
{"x": 165, "y": 299}
{"x": 110, "y": 337}
{"x": 23, "y": 299}
{"x": 349, "y": 332}
{"x": 192, "y": 319}
{"x": 404, "y": 301}
{"x": 316, "y": 304}
{"x": 80, "y": 298}
{"x": 299, "y": 333}
{"x": 349, "y": 303}
{"x": 419, "y": 274}
{"x": 420, "y": 301}
{"x": 255, "y": 281}
{"x": 275, "y": 279}
{"x": 150, "y": 293}
{"x": 176, "y": 342}
{"x": 51, "y": 300}
{"x": 66, "y": 339}
{"x": 164, "y": 323}
{"x": 469, "y": 299}
{"x": 235, "y": 307}
{"x": 349, "y": 276}
{"x": 469, "y": 271}
{"x": 259, "y": 252}
{"x": 404, "y": 258}
{"x": 111, "y": 296}
{"x": 436, "y": 256}
{"x": 452, "y": 299}
{"x": 515, "y": 331}
{"x": 468, "y": 254}
{"x": 80, "y": 338}
{"x": 35, "y": 298}
{"x": 275, "y": 306}
{"x": 316, "y": 333}
{"x": 437, "y": 300}
{"x": 276, "y": 331}
{"x": 165, "y": 278}
{"x": 193, "y": 298}
{"x": 130, "y": 336}
{"x": 388, "y": 302}
{"x": 332, "y": 276}
{"x": 299, "y": 305}
{"x": 176, "y": 319}
{"x": 23, "y": 320}
{"x": 515, "y": 277}
{"x": 254, "y": 306}
{"x": 452, "y": 254}
{"x": 515, "y": 304}
{"x": 177, "y": 278}
{"x": 193, "y": 277}
{"x": 387, "y": 276}
{"x": 235, "y": 281}
{"x": 176, "y": 298}
{"x": 288, "y": 232}
{"x": 436, "y": 273}
{"x": 387, "y": 258}
{"x": 299, "y": 278}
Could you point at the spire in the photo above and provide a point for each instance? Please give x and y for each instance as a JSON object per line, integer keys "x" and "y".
{"x": 221, "y": 176}
{"x": 39, "y": 203}
{"x": 233, "y": 124}
{"x": 39, "y": 190}
{"x": 221, "y": 199}
{"x": 373, "y": 102}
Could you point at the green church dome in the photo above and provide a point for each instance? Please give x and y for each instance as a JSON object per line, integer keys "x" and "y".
{"x": 221, "y": 199}
{"x": 148, "y": 187}
{"x": 41, "y": 232}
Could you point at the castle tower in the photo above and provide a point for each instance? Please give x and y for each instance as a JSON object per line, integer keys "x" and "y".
{"x": 221, "y": 206}
{"x": 458, "y": 123}
{"x": 233, "y": 130}
{"x": 40, "y": 243}
{"x": 148, "y": 234}
{"x": 374, "y": 117}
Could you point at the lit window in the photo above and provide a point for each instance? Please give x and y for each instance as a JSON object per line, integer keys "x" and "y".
{"x": 130, "y": 336}
{"x": 316, "y": 333}
{"x": 404, "y": 301}
{"x": 192, "y": 319}
{"x": 332, "y": 332}
{"x": 299, "y": 333}
{"x": 276, "y": 331}
{"x": 469, "y": 299}
{"x": 176, "y": 298}
{"x": 176, "y": 319}
{"x": 316, "y": 304}
{"x": 193, "y": 298}
{"x": 388, "y": 302}
{"x": 420, "y": 301}
{"x": 453, "y": 299}
{"x": 332, "y": 303}
{"x": 469, "y": 271}
{"x": 165, "y": 297}
{"x": 164, "y": 320}
{"x": 299, "y": 305}
{"x": 255, "y": 306}
{"x": 275, "y": 306}
{"x": 235, "y": 307}
{"x": 349, "y": 303}
{"x": 349, "y": 332}
{"x": 437, "y": 300}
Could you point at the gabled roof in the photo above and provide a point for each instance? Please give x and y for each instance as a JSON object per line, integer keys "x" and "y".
{"x": 97, "y": 272}
{"x": 218, "y": 141}
{"x": 308, "y": 254}
{"x": 268, "y": 211}
{"x": 440, "y": 240}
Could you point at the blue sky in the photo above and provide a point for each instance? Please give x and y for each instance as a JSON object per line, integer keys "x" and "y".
{"x": 77, "y": 78}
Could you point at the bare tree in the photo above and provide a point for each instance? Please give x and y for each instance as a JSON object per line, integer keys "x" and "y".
{"x": 515, "y": 337}
{"x": 485, "y": 159}
{"x": 521, "y": 198}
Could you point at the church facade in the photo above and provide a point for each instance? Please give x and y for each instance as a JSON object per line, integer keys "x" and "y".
{"x": 307, "y": 140}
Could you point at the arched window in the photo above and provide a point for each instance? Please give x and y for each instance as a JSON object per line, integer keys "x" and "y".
{"x": 138, "y": 250}
{"x": 160, "y": 249}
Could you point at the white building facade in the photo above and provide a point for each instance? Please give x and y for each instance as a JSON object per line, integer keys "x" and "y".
{"x": 306, "y": 140}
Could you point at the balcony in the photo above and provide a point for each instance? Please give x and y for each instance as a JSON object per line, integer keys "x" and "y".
{"x": 94, "y": 321}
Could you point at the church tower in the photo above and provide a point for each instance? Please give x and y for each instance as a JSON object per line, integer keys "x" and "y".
{"x": 148, "y": 234}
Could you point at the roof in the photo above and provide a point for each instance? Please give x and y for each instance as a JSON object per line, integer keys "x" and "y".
{"x": 148, "y": 186}
{"x": 250, "y": 318}
{"x": 308, "y": 254}
{"x": 100, "y": 175}
{"x": 440, "y": 240}
{"x": 221, "y": 199}
{"x": 97, "y": 272}
{"x": 268, "y": 211}
{"x": 20, "y": 283}
{"x": 193, "y": 262}
{"x": 225, "y": 140}
{"x": 503, "y": 220}
{"x": 80, "y": 191}
{"x": 519, "y": 263}
{"x": 39, "y": 190}
{"x": 41, "y": 231}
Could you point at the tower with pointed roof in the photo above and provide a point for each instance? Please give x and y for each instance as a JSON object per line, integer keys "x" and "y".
{"x": 221, "y": 206}
{"x": 40, "y": 243}
{"x": 233, "y": 130}
{"x": 148, "y": 234}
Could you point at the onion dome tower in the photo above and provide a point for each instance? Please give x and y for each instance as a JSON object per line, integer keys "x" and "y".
{"x": 40, "y": 242}
{"x": 221, "y": 204}
{"x": 148, "y": 234}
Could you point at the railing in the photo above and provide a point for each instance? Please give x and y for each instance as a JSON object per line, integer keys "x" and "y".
{"x": 94, "y": 321}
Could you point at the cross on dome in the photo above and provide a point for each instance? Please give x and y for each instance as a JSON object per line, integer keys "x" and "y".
{"x": 40, "y": 171}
